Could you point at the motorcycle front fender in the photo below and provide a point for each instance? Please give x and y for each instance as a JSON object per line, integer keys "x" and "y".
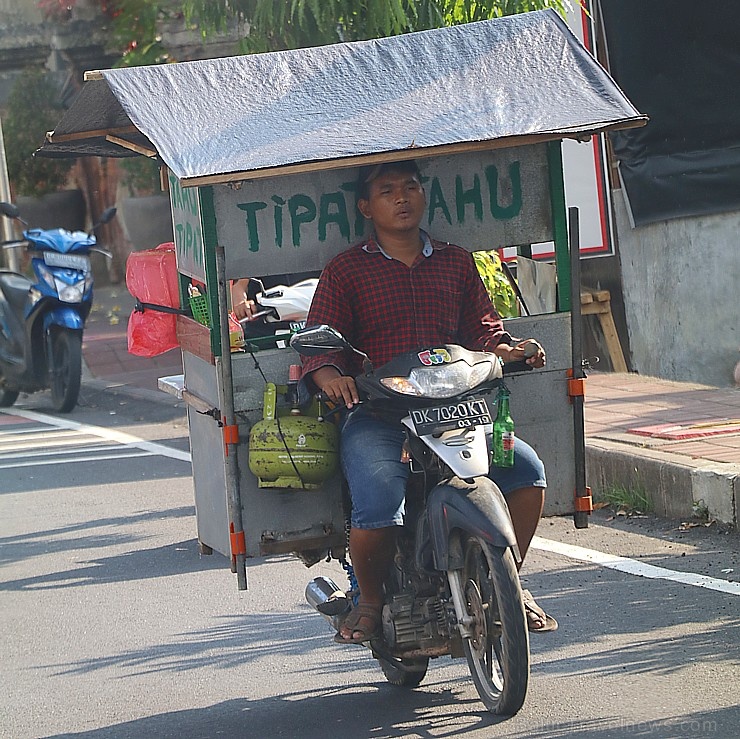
{"x": 64, "y": 317}
{"x": 476, "y": 508}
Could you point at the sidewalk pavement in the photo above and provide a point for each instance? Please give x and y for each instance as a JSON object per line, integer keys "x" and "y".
{"x": 676, "y": 442}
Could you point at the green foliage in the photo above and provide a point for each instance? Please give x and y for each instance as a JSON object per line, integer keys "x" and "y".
{"x": 299, "y": 23}
{"x": 32, "y": 110}
{"x": 140, "y": 175}
{"x": 626, "y": 500}
{"x": 133, "y": 27}
{"x": 496, "y": 283}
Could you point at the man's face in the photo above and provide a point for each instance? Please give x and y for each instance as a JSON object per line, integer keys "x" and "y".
{"x": 395, "y": 203}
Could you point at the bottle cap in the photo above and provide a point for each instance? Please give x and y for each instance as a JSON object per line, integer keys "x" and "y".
{"x": 294, "y": 373}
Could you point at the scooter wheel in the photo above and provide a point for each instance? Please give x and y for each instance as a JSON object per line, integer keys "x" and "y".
{"x": 66, "y": 369}
{"x": 7, "y": 398}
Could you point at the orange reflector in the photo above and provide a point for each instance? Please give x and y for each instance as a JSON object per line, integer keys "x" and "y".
{"x": 238, "y": 542}
{"x": 576, "y": 387}
{"x": 584, "y": 503}
{"x": 231, "y": 434}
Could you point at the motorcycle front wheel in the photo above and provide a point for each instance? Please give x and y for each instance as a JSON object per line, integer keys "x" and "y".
{"x": 498, "y": 650}
{"x": 65, "y": 369}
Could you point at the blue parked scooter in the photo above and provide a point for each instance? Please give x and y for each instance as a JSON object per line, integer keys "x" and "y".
{"x": 41, "y": 322}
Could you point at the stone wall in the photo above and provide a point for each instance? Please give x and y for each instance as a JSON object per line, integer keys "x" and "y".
{"x": 681, "y": 281}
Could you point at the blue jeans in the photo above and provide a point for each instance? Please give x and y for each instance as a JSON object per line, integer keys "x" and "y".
{"x": 370, "y": 453}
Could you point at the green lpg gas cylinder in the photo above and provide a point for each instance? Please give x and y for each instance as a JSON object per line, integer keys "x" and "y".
{"x": 292, "y": 451}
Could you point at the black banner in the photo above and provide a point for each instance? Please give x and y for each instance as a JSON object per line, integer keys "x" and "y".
{"x": 679, "y": 62}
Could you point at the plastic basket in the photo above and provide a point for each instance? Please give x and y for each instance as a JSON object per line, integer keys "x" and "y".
{"x": 200, "y": 310}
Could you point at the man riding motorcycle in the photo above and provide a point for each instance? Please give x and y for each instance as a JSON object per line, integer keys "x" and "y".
{"x": 398, "y": 291}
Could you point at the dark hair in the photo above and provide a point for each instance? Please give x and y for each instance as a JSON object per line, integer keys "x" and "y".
{"x": 370, "y": 172}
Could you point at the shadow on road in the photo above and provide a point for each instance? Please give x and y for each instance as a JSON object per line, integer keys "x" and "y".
{"x": 355, "y": 711}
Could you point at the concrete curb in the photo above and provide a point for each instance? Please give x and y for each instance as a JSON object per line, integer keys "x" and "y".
{"x": 676, "y": 485}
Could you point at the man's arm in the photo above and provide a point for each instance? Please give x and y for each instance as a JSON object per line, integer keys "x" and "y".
{"x": 337, "y": 387}
{"x": 242, "y": 306}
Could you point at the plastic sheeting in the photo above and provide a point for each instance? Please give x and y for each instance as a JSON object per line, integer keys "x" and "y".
{"x": 519, "y": 76}
{"x": 151, "y": 277}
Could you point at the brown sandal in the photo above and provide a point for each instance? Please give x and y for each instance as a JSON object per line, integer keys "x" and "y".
{"x": 533, "y": 611}
{"x": 358, "y": 634}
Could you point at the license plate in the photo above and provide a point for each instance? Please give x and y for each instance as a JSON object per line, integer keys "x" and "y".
{"x": 462, "y": 415}
{"x": 71, "y": 261}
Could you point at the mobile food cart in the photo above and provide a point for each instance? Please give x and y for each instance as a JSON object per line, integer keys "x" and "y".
{"x": 260, "y": 155}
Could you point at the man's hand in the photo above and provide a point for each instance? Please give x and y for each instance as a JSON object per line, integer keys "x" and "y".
{"x": 527, "y": 349}
{"x": 336, "y": 387}
{"x": 243, "y": 307}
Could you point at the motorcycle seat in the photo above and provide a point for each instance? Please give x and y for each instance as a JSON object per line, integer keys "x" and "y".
{"x": 15, "y": 287}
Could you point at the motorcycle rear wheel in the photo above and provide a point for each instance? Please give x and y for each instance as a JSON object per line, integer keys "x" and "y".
{"x": 498, "y": 652}
{"x": 410, "y": 677}
{"x": 66, "y": 369}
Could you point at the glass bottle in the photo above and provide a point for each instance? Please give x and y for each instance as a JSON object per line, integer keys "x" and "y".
{"x": 503, "y": 431}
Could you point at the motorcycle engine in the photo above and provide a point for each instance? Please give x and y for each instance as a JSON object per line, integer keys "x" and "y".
{"x": 414, "y": 622}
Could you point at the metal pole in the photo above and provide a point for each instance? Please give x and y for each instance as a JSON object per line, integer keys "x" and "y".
{"x": 582, "y": 499}
{"x": 228, "y": 418}
{"x": 6, "y": 227}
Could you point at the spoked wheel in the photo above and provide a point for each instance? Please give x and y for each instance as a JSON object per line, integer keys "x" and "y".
{"x": 406, "y": 673}
{"x": 66, "y": 369}
{"x": 498, "y": 651}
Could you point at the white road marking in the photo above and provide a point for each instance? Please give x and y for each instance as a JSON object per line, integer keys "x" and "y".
{"x": 610, "y": 561}
{"x": 76, "y": 459}
{"x": 633, "y": 567}
{"x": 102, "y": 433}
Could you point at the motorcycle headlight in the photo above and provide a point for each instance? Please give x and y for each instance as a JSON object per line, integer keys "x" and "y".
{"x": 70, "y": 293}
{"x": 443, "y": 381}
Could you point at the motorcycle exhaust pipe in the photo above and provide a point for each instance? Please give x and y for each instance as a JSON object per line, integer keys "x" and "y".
{"x": 327, "y": 598}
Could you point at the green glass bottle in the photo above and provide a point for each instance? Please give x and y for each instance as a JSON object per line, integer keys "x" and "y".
{"x": 503, "y": 431}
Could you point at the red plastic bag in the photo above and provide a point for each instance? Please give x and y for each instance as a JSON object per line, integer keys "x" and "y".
{"x": 151, "y": 276}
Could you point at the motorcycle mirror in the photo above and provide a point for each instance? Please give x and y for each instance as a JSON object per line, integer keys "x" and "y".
{"x": 317, "y": 340}
{"x": 9, "y": 210}
{"x": 106, "y": 216}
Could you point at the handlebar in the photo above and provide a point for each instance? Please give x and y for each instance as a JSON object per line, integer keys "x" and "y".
{"x": 13, "y": 244}
{"x": 511, "y": 368}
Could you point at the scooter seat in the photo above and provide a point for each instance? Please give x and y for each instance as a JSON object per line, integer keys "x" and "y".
{"x": 15, "y": 287}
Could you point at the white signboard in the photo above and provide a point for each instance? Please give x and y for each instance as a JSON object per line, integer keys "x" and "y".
{"x": 584, "y": 170}
{"x": 296, "y": 223}
{"x": 187, "y": 228}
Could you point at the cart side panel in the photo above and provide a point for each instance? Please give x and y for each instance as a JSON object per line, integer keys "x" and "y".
{"x": 207, "y": 451}
{"x": 296, "y": 223}
{"x": 278, "y": 520}
{"x": 541, "y": 409}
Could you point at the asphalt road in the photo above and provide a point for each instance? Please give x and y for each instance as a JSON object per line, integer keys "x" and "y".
{"x": 112, "y": 624}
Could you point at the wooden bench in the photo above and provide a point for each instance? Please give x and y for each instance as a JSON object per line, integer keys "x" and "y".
{"x": 598, "y": 303}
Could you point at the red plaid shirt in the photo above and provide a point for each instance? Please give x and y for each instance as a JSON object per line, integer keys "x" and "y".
{"x": 384, "y": 308}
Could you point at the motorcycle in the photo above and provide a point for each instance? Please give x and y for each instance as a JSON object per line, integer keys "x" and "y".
{"x": 282, "y": 308}
{"x": 41, "y": 321}
{"x": 454, "y": 588}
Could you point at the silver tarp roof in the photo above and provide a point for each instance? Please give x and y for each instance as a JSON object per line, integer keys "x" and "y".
{"x": 509, "y": 81}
